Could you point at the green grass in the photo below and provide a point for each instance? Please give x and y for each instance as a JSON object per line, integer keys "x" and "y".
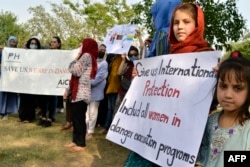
{"x": 29, "y": 145}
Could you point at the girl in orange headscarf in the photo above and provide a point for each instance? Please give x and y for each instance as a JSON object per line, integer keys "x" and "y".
{"x": 187, "y": 29}
{"x": 83, "y": 69}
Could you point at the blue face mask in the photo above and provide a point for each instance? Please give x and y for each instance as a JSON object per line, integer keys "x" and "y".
{"x": 33, "y": 46}
{"x": 133, "y": 57}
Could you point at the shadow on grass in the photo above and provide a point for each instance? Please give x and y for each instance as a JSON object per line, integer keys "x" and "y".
{"x": 110, "y": 154}
{"x": 29, "y": 145}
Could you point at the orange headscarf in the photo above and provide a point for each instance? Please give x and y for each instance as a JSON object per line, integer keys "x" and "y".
{"x": 90, "y": 46}
{"x": 195, "y": 42}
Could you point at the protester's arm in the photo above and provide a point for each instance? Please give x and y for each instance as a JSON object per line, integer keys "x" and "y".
{"x": 123, "y": 65}
{"x": 101, "y": 74}
{"x": 66, "y": 94}
{"x": 138, "y": 32}
{"x": 78, "y": 66}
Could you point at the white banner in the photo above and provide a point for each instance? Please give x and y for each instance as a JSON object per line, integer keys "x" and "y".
{"x": 164, "y": 113}
{"x": 119, "y": 38}
{"x": 36, "y": 71}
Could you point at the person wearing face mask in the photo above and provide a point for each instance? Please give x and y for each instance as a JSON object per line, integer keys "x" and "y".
{"x": 29, "y": 102}
{"x": 9, "y": 102}
{"x": 97, "y": 91}
{"x": 33, "y": 43}
{"x": 125, "y": 71}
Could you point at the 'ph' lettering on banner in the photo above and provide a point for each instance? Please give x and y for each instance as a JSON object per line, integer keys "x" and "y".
{"x": 236, "y": 158}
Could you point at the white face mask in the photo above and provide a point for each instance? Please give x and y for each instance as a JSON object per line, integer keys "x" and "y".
{"x": 33, "y": 46}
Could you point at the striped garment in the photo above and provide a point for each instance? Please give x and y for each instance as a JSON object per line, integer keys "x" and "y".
{"x": 82, "y": 68}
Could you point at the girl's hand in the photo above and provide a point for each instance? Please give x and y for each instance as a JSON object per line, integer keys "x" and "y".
{"x": 78, "y": 56}
{"x": 216, "y": 68}
{"x": 138, "y": 32}
{"x": 65, "y": 95}
{"x": 134, "y": 72}
{"x": 123, "y": 56}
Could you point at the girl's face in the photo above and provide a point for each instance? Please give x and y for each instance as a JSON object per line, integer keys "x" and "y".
{"x": 183, "y": 25}
{"x": 54, "y": 44}
{"x": 12, "y": 43}
{"x": 231, "y": 94}
{"x": 33, "y": 44}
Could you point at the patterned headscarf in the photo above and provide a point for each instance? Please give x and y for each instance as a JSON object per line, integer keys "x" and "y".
{"x": 90, "y": 46}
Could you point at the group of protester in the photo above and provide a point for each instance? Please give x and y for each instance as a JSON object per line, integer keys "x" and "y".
{"x": 26, "y": 105}
{"x": 185, "y": 35}
{"x": 93, "y": 78}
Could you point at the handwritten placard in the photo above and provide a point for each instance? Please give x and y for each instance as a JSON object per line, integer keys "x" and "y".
{"x": 164, "y": 113}
{"x": 119, "y": 38}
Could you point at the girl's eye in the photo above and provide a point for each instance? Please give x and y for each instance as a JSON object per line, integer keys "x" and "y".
{"x": 186, "y": 21}
{"x": 222, "y": 85}
{"x": 238, "y": 88}
{"x": 176, "y": 22}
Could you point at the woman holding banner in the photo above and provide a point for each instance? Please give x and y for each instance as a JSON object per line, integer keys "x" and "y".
{"x": 125, "y": 71}
{"x": 28, "y": 102}
{"x": 49, "y": 102}
{"x": 9, "y": 102}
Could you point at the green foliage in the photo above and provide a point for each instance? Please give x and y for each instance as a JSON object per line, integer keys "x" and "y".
{"x": 224, "y": 23}
{"x": 142, "y": 15}
{"x": 100, "y": 17}
{"x": 61, "y": 21}
{"x": 243, "y": 46}
{"x": 223, "y": 26}
{"x": 9, "y": 26}
{"x": 73, "y": 21}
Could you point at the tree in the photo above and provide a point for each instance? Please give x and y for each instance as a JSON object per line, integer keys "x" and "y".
{"x": 224, "y": 24}
{"x": 61, "y": 21}
{"x": 100, "y": 17}
{"x": 9, "y": 26}
{"x": 72, "y": 21}
{"x": 143, "y": 16}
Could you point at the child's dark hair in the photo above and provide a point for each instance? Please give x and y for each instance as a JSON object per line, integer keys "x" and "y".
{"x": 240, "y": 67}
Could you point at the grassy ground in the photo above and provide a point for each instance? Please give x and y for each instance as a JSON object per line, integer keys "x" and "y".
{"x": 29, "y": 145}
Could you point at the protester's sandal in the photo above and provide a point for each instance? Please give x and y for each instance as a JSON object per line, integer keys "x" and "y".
{"x": 89, "y": 136}
{"x": 47, "y": 123}
{"x": 41, "y": 121}
{"x": 76, "y": 149}
{"x": 66, "y": 126}
{"x": 70, "y": 145}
